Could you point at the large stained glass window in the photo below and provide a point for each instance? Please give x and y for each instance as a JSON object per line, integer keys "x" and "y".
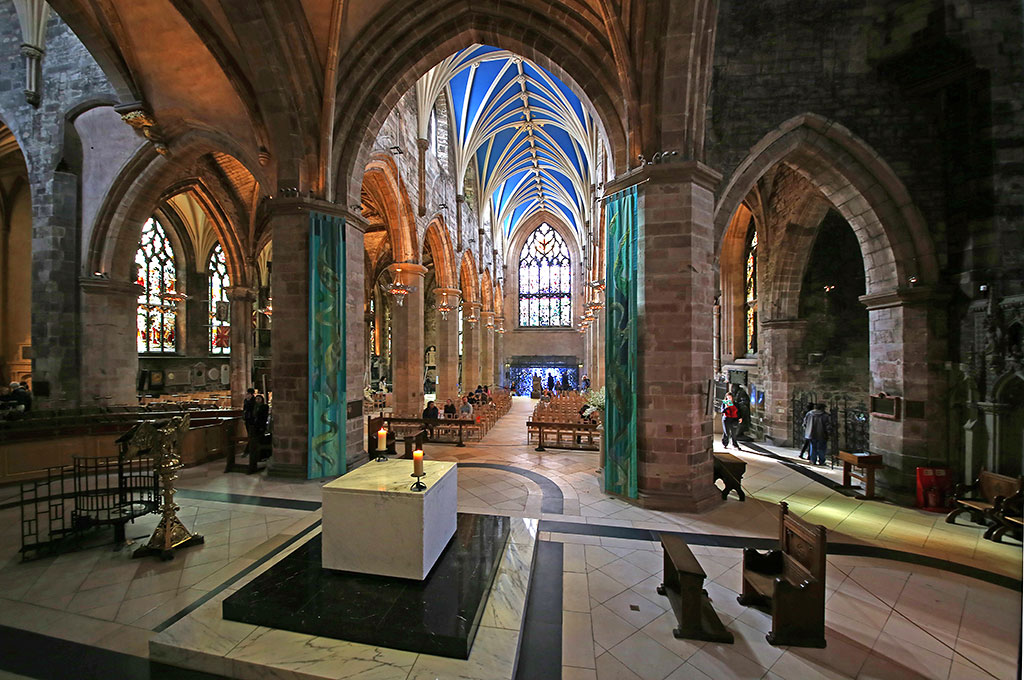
{"x": 750, "y": 299}
{"x": 545, "y": 280}
{"x": 157, "y": 315}
{"x": 220, "y": 308}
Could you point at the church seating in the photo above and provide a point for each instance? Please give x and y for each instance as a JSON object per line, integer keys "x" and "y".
{"x": 790, "y": 582}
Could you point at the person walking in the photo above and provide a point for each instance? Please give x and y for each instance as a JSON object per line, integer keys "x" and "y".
{"x": 730, "y": 421}
{"x": 817, "y": 426}
{"x": 807, "y": 442}
{"x": 260, "y": 419}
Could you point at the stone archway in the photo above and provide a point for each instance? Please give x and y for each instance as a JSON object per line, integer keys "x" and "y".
{"x": 901, "y": 272}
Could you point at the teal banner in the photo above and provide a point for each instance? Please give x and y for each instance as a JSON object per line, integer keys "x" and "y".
{"x": 620, "y": 466}
{"x": 327, "y": 398}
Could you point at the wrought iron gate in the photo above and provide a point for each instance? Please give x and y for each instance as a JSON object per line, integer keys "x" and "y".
{"x": 850, "y": 430}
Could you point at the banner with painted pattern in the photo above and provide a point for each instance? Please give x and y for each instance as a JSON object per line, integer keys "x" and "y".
{"x": 327, "y": 397}
{"x": 620, "y": 464}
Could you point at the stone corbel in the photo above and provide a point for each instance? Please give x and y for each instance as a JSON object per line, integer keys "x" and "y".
{"x": 33, "y": 65}
{"x": 32, "y": 15}
{"x": 138, "y": 115}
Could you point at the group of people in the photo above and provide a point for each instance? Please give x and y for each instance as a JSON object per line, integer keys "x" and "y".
{"x": 817, "y": 428}
{"x": 16, "y": 397}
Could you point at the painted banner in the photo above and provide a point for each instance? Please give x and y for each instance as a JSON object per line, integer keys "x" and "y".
{"x": 620, "y": 465}
{"x": 327, "y": 398}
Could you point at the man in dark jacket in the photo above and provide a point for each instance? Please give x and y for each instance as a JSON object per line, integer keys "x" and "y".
{"x": 817, "y": 425}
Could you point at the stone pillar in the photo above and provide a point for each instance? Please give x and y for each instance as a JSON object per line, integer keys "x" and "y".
{"x": 56, "y": 359}
{"x": 486, "y": 347}
{"x": 779, "y": 344}
{"x": 448, "y": 346}
{"x": 676, "y": 279}
{"x": 907, "y": 336}
{"x": 470, "y": 346}
{"x": 289, "y": 220}
{"x": 499, "y": 351}
{"x": 241, "y": 300}
{"x": 407, "y": 341}
{"x": 109, "y": 341}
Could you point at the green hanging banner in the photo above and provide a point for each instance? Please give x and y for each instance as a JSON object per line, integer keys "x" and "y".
{"x": 620, "y": 465}
{"x": 327, "y": 397}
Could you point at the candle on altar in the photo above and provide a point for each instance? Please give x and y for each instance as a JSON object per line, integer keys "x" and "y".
{"x": 382, "y": 439}
{"x": 417, "y": 463}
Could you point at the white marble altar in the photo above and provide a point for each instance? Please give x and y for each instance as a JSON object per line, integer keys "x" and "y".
{"x": 374, "y": 523}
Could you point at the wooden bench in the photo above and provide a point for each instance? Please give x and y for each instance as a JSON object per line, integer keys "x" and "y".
{"x": 983, "y": 497}
{"x": 684, "y": 587}
{"x": 730, "y": 470}
{"x": 790, "y": 582}
{"x": 564, "y": 435}
{"x": 1008, "y": 518}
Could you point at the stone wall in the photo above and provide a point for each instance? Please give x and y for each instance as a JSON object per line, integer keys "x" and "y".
{"x": 71, "y": 80}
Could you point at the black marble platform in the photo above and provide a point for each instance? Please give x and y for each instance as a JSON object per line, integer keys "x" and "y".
{"x": 439, "y": 615}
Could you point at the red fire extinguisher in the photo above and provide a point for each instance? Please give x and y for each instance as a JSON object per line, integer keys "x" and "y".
{"x": 935, "y": 498}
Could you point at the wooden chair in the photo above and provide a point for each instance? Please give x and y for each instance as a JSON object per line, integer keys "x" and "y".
{"x": 790, "y": 582}
{"x": 983, "y": 497}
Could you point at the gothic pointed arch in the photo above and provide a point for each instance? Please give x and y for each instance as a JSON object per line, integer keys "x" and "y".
{"x": 436, "y": 236}
{"x": 384, "y": 188}
{"x": 468, "y": 279}
{"x": 486, "y": 292}
{"x": 894, "y": 239}
{"x": 388, "y": 64}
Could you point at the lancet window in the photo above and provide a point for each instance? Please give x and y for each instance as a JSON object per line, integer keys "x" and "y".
{"x": 750, "y": 299}
{"x": 545, "y": 280}
{"x": 157, "y": 311}
{"x": 220, "y": 307}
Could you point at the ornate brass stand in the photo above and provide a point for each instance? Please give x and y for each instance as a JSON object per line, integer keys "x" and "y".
{"x": 170, "y": 534}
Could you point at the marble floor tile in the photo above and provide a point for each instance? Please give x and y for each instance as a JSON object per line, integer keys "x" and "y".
{"x": 610, "y": 668}
{"x": 645, "y": 657}
{"x": 577, "y": 637}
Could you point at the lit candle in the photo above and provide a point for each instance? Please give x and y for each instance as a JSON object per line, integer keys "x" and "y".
{"x": 382, "y": 439}
{"x": 417, "y": 463}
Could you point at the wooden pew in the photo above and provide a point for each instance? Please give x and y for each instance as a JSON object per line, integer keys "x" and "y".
{"x": 790, "y": 582}
{"x": 983, "y": 497}
{"x": 1008, "y": 519}
{"x": 684, "y": 587}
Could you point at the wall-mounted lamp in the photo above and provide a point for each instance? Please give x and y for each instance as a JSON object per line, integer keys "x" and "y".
{"x": 912, "y": 281}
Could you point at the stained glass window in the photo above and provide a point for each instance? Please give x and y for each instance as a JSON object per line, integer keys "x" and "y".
{"x": 220, "y": 308}
{"x": 157, "y": 316}
{"x": 750, "y": 300}
{"x": 545, "y": 280}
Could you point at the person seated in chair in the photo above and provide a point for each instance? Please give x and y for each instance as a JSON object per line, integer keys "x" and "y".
{"x": 430, "y": 413}
{"x": 449, "y": 409}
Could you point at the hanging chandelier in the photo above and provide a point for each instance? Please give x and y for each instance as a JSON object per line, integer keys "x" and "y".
{"x": 396, "y": 289}
{"x": 490, "y": 324}
{"x": 501, "y": 326}
{"x": 597, "y": 284}
{"x": 445, "y": 305}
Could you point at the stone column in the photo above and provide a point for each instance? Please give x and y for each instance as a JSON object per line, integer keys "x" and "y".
{"x": 676, "y": 279}
{"x": 907, "y": 336}
{"x": 499, "y": 351}
{"x": 407, "y": 341}
{"x": 470, "y": 346}
{"x": 486, "y": 347}
{"x": 289, "y": 220}
{"x": 241, "y": 300}
{"x": 448, "y": 346}
{"x": 56, "y": 358}
{"x": 109, "y": 341}
{"x": 780, "y": 342}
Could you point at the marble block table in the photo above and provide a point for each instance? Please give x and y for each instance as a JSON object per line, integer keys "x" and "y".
{"x": 374, "y": 524}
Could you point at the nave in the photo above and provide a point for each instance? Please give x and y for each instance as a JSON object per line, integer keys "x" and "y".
{"x": 908, "y": 595}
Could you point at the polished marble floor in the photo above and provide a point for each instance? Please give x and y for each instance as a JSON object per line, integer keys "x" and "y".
{"x": 940, "y": 610}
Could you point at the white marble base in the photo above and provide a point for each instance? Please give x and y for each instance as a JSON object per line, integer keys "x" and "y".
{"x": 204, "y": 641}
{"x": 374, "y": 523}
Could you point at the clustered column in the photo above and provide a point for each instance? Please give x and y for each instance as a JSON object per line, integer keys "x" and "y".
{"x": 499, "y": 352}
{"x": 241, "y": 300}
{"x": 407, "y": 341}
{"x": 448, "y": 345}
{"x": 470, "y": 346}
{"x": 486, "y": 347}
